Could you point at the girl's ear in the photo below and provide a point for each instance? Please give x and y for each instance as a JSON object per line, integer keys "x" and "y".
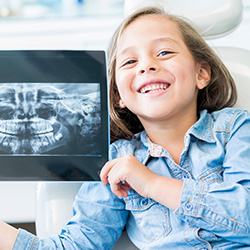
{"x": 121, "y": 104}
{"x": 204, "y": 75}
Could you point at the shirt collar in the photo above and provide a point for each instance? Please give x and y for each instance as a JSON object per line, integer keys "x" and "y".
{"x": 153, "y": 149}
{"x": 202, "y": 130}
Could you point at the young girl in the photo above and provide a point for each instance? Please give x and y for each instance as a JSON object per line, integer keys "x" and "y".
{"x": 179, "y": 175}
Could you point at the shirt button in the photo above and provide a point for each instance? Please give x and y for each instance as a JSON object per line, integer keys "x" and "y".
{"x": 184, "y": 177}
{"x": 189, "y": 206}
{"x": 144, "y": 202}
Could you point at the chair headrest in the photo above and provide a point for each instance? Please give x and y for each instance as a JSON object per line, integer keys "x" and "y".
{"x": 211, "y": 18}
{"x": 238, "y": 62}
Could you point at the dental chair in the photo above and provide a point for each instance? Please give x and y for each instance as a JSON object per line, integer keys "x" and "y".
{"x": 214, "y": 18}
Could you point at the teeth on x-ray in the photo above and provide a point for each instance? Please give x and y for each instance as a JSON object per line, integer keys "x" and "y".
{"x": 39, "y": 118}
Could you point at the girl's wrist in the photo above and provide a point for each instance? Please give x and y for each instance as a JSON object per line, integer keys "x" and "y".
{"x": 166, "y": 191}
{"x": 154, "y": 186}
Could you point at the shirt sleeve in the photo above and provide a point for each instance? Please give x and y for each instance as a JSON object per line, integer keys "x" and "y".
{"x": 98, "y": 219}
{"x": 223, "y": 207}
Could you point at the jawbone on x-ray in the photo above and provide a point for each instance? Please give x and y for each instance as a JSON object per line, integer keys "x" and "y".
{"x": 44, "y": 118}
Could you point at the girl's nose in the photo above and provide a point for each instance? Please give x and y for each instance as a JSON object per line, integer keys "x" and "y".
{"x": 148, "y": 68}
{"x": 151, "y": 69}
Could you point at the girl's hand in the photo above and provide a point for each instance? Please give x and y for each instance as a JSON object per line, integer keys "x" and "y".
{"x": 125, "y": 172}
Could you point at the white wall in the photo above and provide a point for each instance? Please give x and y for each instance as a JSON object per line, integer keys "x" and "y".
{"x": 69, "y": 33}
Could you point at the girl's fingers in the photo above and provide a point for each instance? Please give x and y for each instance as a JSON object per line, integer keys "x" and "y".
{"x": 125, "y": 186}
{"x": 108, "y": 175}
{"x": 105, "y": 170}
{"x": 120, "y": 190}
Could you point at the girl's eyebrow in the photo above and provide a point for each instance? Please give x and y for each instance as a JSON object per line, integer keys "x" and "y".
{"x": 154, "y": 42}
{"x": 165, "y": 39}
{"x": 125, "y": 50}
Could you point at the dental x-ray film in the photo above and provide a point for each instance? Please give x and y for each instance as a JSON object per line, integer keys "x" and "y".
{"x": 53, "y": 115}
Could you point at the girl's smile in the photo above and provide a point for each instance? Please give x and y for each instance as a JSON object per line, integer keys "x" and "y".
{"x": 153, "y": 86}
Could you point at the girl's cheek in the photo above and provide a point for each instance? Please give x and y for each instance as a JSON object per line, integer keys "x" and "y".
{"x": 120, "y": 79}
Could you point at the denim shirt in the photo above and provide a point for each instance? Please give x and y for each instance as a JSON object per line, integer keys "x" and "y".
{"x": 214, "y": 211}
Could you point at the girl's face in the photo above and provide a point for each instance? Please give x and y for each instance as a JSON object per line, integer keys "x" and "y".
{"x": 156, "y": 75}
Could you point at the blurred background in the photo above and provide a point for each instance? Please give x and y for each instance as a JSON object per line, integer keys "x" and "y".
{"x": 79, "y": 24}
{"x": 58, "y": 24}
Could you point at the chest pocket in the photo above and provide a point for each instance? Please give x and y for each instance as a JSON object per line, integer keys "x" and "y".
{"x": 212, "y": 175}
{"x": 151, "y": 217}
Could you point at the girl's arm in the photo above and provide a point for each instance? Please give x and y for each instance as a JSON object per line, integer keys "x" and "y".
{"x": 98, "y": 220}
{"x": 7, "y": 236}
{"x": 221, "y": 205}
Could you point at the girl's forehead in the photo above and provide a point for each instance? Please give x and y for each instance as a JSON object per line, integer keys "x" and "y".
{"x": 149, "y": 27}
{"x": 159, "y": 23}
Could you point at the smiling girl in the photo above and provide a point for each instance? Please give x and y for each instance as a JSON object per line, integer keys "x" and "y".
{"x": 179, "y": 169}
{"x": 182, "y": 164}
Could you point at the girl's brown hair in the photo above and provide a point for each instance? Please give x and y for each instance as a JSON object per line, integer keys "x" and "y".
{"x": 219, "y": 93}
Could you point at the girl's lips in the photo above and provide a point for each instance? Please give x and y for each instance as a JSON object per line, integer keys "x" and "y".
{"x": 153, "y": 87}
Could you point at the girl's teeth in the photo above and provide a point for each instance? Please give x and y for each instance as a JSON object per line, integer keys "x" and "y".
{"x": 153, "y": 88}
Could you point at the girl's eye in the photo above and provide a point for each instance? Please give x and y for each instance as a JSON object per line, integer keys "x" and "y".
{"x": 129, "y": 62}
{"x": 164, "y": 53}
